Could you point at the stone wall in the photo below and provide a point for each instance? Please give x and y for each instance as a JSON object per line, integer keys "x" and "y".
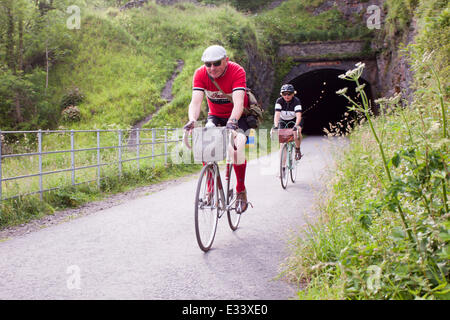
{"x": 260, "y": 75}
{"x": 321, "y": 48}
{"x": 394, "y": 72}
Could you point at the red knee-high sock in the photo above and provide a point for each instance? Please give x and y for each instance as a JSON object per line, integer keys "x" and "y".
{"x": 240, "y": 176}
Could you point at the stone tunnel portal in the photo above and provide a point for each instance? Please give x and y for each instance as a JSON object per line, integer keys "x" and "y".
{"x": 322, "y": 107}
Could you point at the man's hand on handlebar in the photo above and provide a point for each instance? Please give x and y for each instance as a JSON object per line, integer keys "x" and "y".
{"x": 232, "y": 124}
{"x": 189, "y": 126}
{"x": 272, "y": 129}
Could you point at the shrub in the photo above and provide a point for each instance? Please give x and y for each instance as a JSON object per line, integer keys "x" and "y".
{"x": 73, "y": 97}
{"x": 71, "y": 114}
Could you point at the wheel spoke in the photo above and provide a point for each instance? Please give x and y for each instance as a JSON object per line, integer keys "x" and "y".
{"x": 206, "y": 208}
{"x": 233, "y": 216}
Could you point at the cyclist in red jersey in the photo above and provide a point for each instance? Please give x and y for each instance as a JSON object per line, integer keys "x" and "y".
{"x": 231, "y": 79}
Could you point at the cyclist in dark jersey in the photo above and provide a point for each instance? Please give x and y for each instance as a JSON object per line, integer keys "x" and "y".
{"x": 288, "y": 114}
{"x": 231, "y": 78}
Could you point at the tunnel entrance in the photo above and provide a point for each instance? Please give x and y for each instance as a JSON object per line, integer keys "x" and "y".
{"x": 322, "y": 107}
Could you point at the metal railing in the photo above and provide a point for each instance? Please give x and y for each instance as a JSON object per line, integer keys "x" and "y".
{"x": 138, "y": 141}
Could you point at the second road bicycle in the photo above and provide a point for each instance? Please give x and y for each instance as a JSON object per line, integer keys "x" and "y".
{"x": 288, "y": 163}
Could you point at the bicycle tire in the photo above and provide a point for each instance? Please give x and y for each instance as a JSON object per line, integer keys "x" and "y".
{"x": 233, "y": 217}
{"x": 284, "y": 176}
{"x": 293, "y": 166}
{"x": 206, "y": 216}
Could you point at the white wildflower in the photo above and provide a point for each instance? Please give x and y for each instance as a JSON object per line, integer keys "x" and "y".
{"x": 342, "y": 91}
{"x": 360, "y": 87}
{"x": 395, "y": 99}
{"x": 381, "y": 101}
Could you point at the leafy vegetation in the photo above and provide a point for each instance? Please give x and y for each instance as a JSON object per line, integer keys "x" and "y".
{"x": 383, "y": 232}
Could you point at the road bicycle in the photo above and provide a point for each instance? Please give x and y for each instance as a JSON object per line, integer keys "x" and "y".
{"x": 211, "y": 199}
{"x": 288, "y": 163}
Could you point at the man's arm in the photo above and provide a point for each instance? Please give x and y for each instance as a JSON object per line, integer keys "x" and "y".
{"x": 276, "y": 118}
{"x": 299, "y": 118}
{"x": 195, "y": 105}
{"x": 238, "y": 104}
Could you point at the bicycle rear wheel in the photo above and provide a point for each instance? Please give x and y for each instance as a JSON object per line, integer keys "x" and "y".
{"x": 284, "y": 173}
{"x": 206, "y": 207}
{"x": 233, "y": 217}
{"x": 293, "y": 166}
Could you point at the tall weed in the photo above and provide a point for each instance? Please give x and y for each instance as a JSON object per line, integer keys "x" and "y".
{"x": 384, "y": 231}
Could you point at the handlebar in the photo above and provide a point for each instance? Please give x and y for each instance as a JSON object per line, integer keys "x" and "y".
{"x": 186, "y": 139}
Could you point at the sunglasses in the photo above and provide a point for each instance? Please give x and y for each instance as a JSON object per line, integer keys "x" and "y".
{"x": 287, "y": 93}
{"x": 215, "y": 63}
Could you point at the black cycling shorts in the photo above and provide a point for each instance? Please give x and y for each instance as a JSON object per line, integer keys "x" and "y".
{"x": 286, "y": 124}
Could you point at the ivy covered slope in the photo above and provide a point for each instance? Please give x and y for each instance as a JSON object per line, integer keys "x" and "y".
{"x": 383, "y": 231}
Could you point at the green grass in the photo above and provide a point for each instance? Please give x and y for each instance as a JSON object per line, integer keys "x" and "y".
{"x": 294, "y": 21}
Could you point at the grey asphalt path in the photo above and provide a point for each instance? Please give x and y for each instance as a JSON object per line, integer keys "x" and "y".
{"x": 146, "y": 248}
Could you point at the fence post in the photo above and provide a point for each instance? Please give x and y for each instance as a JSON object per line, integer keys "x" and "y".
{"x": 72, "y": 155}
{"x": 153, "y": 147}
{"x": 40, "y": 162}
{"x": 120, "y": 152}
{"x": 1, "y": 181}
{"x": 165, "y": 145}
{"x": 98, "y": 159}
{"x": 137, "y": 148}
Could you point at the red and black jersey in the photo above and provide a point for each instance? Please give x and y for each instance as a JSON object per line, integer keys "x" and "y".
{"x": 233, "y": 79}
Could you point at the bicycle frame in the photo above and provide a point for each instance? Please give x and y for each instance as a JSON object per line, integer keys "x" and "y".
{"x": 290, "y": 146}
{"x": 287, "y": 163}
{"x": 223, "y": 207}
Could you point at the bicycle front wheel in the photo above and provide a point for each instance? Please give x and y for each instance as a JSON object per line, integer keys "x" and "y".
{"x": 233, "y": 217}
{"x": 206, "y": 207}
{"x": 283, "y": 169}
{"x": 293, "y": 166}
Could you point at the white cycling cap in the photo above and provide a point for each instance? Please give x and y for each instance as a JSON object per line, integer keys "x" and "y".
{"x": 214, "y": 53}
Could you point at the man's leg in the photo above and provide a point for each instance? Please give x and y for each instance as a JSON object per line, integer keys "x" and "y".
{"x": 240, "y": 166}
{"x": 239, "y": 161}
{"x": 298, "y": 141}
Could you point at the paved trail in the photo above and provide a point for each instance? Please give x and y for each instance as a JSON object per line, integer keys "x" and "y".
{"x": 146, "y": 248}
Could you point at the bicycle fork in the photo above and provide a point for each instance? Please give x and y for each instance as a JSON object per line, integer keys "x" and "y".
{"x": 223, "y": 206}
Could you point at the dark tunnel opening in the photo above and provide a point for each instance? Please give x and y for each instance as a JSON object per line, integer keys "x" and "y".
{"x": 322, "y": 107}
